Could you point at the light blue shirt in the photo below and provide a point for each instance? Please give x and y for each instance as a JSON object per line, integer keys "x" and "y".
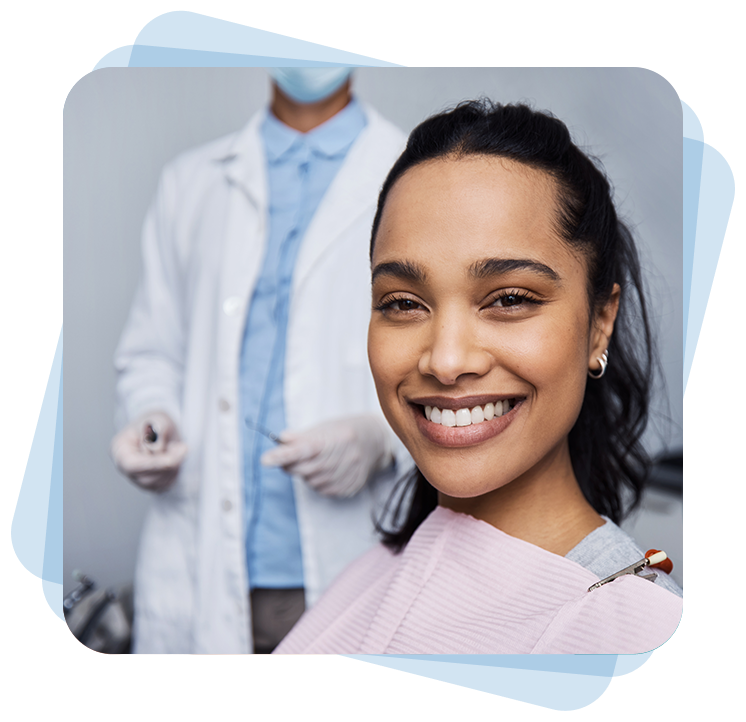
{"x": 300, "y": 168}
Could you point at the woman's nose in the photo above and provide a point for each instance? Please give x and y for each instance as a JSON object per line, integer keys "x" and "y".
{"x": 453, "y": 350}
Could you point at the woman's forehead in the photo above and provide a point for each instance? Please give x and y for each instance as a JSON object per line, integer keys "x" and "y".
{"x": 471, "y": 208}
{"x": 455, "y": 173}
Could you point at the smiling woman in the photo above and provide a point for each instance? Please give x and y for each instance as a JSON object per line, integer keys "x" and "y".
{"x": 511, "y": 352}
{"x": 484, "y": 325}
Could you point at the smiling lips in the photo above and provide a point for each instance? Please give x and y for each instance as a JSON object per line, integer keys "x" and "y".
{"x": 464, "y": 422}
{"x": 467, "y": 416}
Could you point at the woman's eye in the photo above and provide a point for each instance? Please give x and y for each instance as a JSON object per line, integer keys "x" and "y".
{"x": 403, "y": 304}
{"x": 515, "y": 301}
{"x": 509, "y": 299}
{"x": 399, "y": 305}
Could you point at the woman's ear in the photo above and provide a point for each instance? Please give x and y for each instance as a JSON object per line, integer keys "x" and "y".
{"x": 603, "y": 328}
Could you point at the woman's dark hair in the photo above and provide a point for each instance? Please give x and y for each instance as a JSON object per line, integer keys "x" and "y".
{"x": 605, "y": 448}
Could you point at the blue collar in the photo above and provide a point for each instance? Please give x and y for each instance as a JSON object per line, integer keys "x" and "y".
{"x": 330, "y": 139}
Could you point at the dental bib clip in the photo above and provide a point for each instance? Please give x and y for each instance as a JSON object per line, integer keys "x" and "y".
{"x": 652, "y": 558}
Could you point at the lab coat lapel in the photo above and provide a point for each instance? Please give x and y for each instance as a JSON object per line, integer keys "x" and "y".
{"x": 245, "y": 234}
{"x": 351, "y": 193}
{"x": 244, "y": 164}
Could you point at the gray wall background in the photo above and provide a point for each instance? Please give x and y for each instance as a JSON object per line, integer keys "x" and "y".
{"x": 121, "y": 125}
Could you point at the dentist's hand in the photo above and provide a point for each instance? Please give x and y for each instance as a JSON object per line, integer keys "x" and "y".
{"x": 335, "y": 458}
{"x": 149, "y": 451}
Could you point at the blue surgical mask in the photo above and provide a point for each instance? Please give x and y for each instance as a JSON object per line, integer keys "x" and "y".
{"x": 309, "y": 85}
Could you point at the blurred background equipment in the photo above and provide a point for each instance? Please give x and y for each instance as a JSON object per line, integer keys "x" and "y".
{"x": 101, "y": 619}
{"x": 667, "y": 473}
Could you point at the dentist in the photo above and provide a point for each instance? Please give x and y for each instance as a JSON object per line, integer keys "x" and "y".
{"x": 250, "y": 324}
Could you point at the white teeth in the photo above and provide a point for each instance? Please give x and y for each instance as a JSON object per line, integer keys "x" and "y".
{"x": 477, "y": 415}
{"x": 448, "y": 418}
{"x": 466, "y": 417}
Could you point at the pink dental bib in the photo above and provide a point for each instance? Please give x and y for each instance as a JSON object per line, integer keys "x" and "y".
{"x": 463, "y": 587}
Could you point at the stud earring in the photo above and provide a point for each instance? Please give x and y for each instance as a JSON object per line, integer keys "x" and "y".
{"x": 604, "y": 361}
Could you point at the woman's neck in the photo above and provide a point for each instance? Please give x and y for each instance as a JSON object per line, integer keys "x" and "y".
{"x": 545, "y": 506}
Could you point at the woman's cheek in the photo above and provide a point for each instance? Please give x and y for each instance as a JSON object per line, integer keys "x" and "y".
{"x": 553, "y": 345}
{"x": 558, "y": 370}
{"x": 384, "y": 361}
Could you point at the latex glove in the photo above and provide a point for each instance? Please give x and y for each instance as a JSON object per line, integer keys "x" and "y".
{"x": 152, "y": 463}
{"x": 335, "y": 458}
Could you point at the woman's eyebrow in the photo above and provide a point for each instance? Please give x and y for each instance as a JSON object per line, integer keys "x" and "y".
{"x": 499, "y": 266}
{"x": 400, "y": 269}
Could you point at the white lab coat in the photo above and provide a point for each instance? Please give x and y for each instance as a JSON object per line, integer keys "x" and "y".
{"x": 203, "y": 244}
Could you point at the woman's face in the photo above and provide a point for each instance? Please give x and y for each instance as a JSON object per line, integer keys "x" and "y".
{"x": 480, "y": 337}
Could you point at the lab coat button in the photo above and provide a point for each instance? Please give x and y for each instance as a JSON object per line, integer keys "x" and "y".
{"x": 232, "y": 305}
{"x": 227, "y": 506}
{"x": 223, "y": 405}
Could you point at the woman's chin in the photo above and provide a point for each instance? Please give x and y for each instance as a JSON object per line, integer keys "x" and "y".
{"x": 459, "y": 483}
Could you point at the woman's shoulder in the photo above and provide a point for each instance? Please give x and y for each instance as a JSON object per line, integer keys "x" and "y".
{"x": 608, "y": 549}
{"x": 627, "y": 616}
